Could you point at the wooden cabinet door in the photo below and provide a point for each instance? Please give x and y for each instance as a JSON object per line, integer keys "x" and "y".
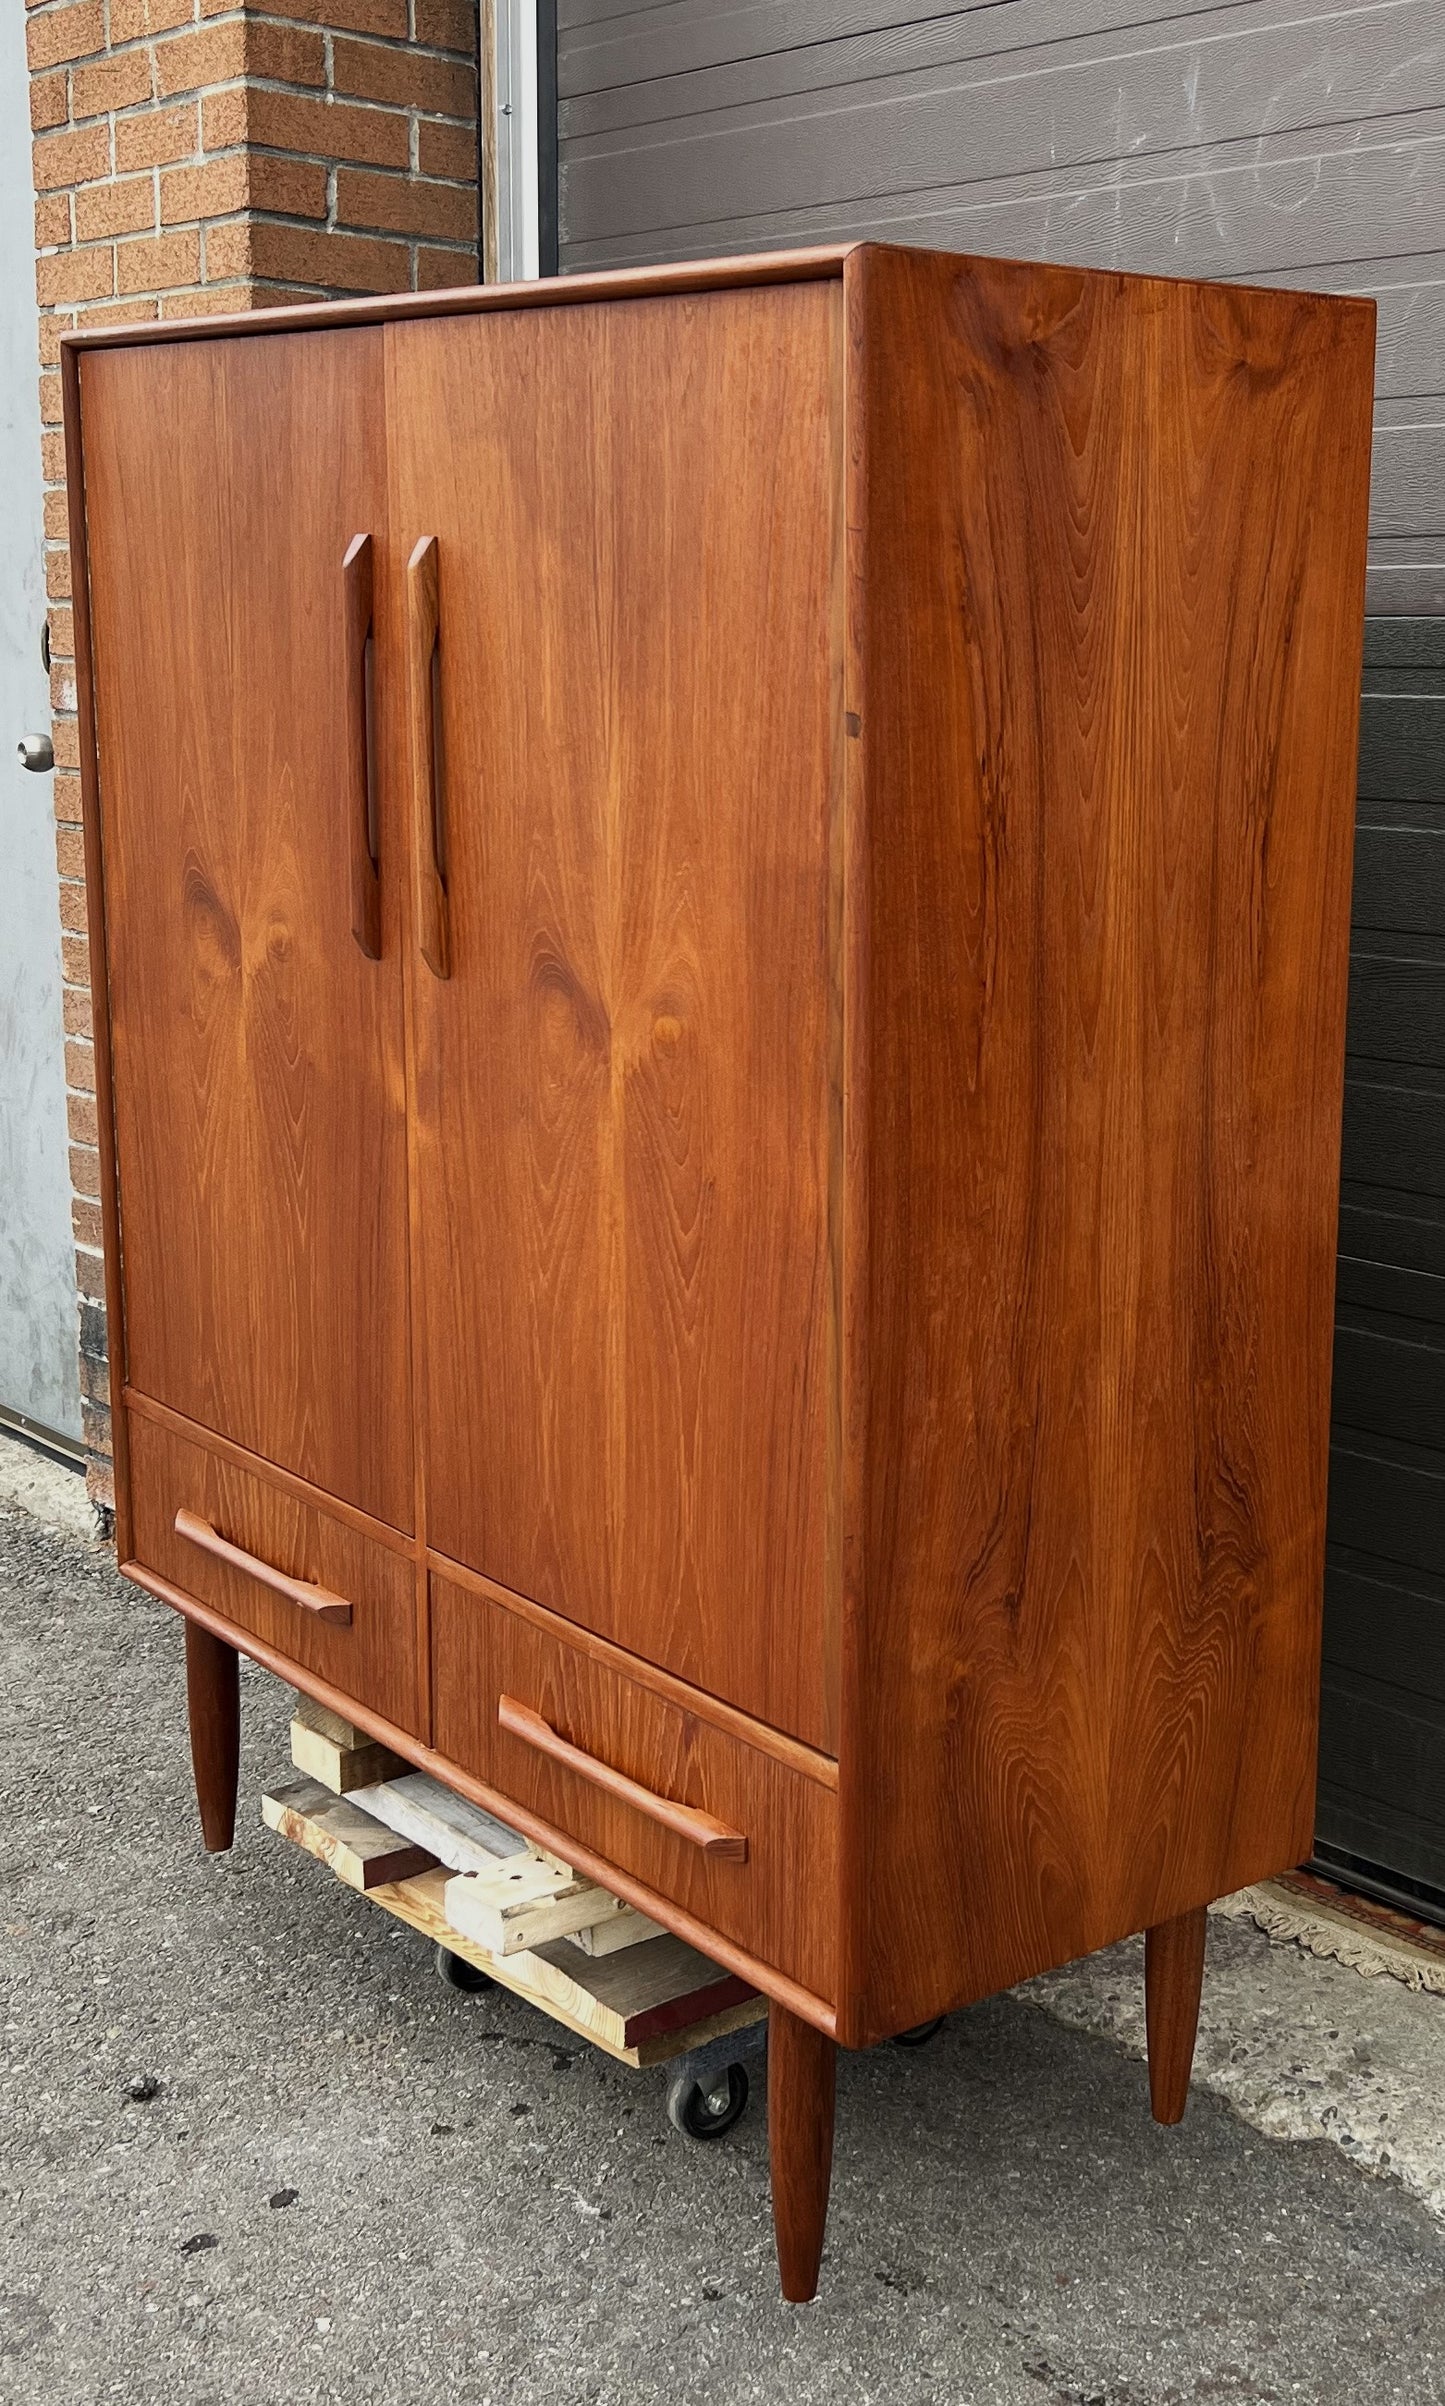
{"x": 260, "y": 1093}
{"x": 623, "y": 1080}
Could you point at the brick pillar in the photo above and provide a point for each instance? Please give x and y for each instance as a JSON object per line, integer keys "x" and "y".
{"x": 197, "y": 155}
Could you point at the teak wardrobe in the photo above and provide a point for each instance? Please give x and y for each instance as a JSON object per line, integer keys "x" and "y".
{"x": 719, "y": 905}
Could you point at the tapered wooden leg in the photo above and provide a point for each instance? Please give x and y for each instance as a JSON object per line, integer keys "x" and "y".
{"x": 1173, "y": 1977}
{"x": 801, "y": 2067}
{"x": 213, "y": 1700}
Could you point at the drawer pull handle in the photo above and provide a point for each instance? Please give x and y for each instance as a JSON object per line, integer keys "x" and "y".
{"x": 685, "y": 1821}
{"x": 320, "y": 1600}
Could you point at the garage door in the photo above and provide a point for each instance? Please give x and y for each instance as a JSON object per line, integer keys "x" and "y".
{"x": 1382, "y": 1757}
{"x": 1257, "y": 141}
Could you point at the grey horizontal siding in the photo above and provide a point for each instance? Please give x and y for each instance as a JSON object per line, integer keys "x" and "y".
{"x": 1399, "y": 882}
{"x": 1392, "y": 1137}
{"x": 1383, "y": 1720}
{"x": 1402, "y": 747}
{"x": 693, "y": 59}
{"x": 1080, "y": 104}
{"x": 1397, "y": 1010}
{"x": 1263, "y": 140}
{"x": 1393, "y": 1809}
{"x": 1388, "y": 1513}
{"x": 1390, "y": 1385}
{"x": 1388, "y": 1631}
{"x": 1383, "y": 1723}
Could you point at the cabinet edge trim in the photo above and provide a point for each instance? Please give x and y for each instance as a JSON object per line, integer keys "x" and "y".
{"x": 89, "y": 769}
{"x": 821, "y": 265}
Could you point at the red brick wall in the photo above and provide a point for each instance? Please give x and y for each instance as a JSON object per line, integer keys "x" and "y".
{"x": 196, "y": 155}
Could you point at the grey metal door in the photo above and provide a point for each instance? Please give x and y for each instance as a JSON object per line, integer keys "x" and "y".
{"x": 1382, "y": 1750}
{"x": 38, "y": 1365}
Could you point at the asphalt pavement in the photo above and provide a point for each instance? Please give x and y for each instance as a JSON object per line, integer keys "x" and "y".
{"x": 251, "y": 2149}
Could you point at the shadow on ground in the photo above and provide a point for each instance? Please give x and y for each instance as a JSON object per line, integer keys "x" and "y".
{"x": 352, "y": 2184}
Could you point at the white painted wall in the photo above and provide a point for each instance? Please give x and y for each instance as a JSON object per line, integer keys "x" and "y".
{"x": 38, "y": 1366}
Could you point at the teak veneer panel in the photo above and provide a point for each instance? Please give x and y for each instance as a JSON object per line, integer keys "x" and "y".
{"x": 1105, "y": 625}
{"x": 257, "y": 1051}
{"x": 780, "y": 1901}
{"x": 623, "y": 1082}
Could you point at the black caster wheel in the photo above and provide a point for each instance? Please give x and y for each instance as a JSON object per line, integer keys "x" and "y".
{"x": 705, "y": 2113}
{"x": 924, "y": 2032}
{"x": 458, "y": 1973}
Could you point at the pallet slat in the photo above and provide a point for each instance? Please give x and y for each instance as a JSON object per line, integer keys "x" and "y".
{"x": 462, "y": 1836}
{"x": 624, "y": 1928}
{"x": 359, "y": 1850}
{"x": 641, "y": 2004}
{"x": 526, "y": 1903}
{"x": 670, "y": 2004}
{"x": 342, "y": 1757}
{"x": 459, "y": 1834}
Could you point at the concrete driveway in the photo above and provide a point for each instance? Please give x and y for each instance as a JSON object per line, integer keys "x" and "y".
{"x": 252, "y": 2150}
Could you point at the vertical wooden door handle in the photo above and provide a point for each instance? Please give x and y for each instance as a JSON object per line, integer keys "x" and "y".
{"x": 423, "y": 615}
{"x": 356, "y": 580}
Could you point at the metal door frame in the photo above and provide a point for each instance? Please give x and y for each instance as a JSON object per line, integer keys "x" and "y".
{"x": 518, "y": 42}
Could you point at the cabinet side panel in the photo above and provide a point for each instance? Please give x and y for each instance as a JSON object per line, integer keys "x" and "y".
{"x": 1107, "y": 621}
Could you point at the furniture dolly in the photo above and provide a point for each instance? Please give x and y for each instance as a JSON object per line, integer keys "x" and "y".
{"x": 501, "y": 1913}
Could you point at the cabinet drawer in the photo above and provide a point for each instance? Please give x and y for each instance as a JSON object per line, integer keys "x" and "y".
{"x": 777, "y": 1899}
{"x": 372, "y": 1657}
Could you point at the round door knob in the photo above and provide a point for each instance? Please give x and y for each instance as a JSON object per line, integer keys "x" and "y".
{"x": 36, "y": 752}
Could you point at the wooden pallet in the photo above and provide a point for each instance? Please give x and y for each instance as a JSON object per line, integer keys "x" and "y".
{"x": 605, "y": 1973}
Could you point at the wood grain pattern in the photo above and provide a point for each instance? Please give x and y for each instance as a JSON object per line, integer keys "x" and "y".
{"x": 766, "y": 1977}
{"x": 301, "y": 1592}
{"x": 780, "y": 1902}
{"x": 1173, "y": 1978}
{"x": 331, "y": 1751}
{"x": 688, "y": 1699}
{"x": 675, "y": 2002}
{"x": 1105, "y": 611}
{"x": 456, "y": 1832}
{"x": 527, "y": 1900}
{"x": 423, "y": 629}
{"x": 258, "y": 1053}
{"x": 358, "y": 568}
{"x": 802, "y": 2073}
{"x": 371, "y": 1659}
{"x": 377, "y": 1532}
{"x": 871, "y": 1163}
{"x": 702, "y": 1830}
{"x": 213, "y": 1707}
{"x": 623, "y": 1085}
{"x": 342, "y": 1835}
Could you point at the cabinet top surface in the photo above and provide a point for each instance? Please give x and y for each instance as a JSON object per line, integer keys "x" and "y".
{"x": 827, "y": 262}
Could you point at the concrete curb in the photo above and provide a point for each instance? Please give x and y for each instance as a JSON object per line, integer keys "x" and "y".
{"x": 1293, "y": 2039}
{"x": 31, "y": 1482}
